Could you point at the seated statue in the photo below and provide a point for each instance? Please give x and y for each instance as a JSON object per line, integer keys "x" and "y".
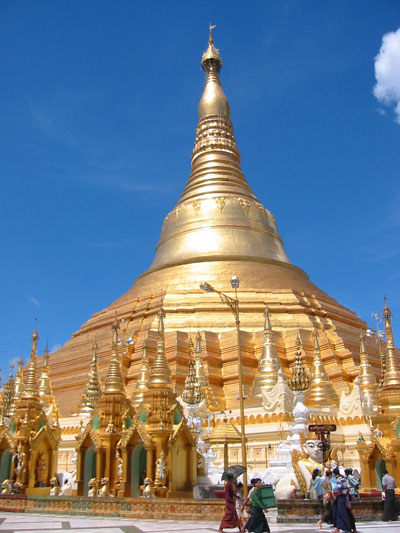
{"x": 92, "y": 484}
{"x": 147, "y": 488}
{"x": 5, "y": 486}
{"x": 104, "y": 491}
{"x": 54, "y": 488}
{"x": 303, "y": 466}
{"x": 66, "y": 489}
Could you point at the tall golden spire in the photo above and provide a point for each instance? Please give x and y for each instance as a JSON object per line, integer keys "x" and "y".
{"x": 198, "y": 361}
{"x": 367, "y": 378}
{"x": 269, "y": 364}
{"x": 160, "y": 373}
{"x": 213, "y": 102}
{"x": 391, "y": 378}
{"x": 201, "y": 373}
{"x": 45, "y": 390}
{"x": 299, "y": 380}
{"x": 19, "y": 381}
{"x": 114, "y": 381}
{"x": 218, "y": 191}
{"x": 44, "y": 380}
{"x": 92, "y": 392}
{"x": 320, "y": 393}
{"x": 192, "y": 392}
{"x": 143, "y": 379}
{"x": 31, "y": 389}
{"x": 9, "y": 394}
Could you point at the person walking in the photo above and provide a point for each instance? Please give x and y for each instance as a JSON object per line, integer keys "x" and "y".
{"x": 246, "y": 506}
{"x": 327, "y": 500}
{"x": 340, "y": 510}
{"x": 315, "y": 491}
{"x": 258, "y": 522}
{"x": 352, "y": 482}
{"x": 230, "y": 518}
{"x": 390, "y": 512}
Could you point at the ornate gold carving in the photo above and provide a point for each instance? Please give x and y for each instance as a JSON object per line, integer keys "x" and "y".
{"x": 221, "y": 202}
{"x": 245, "y": 204}
{"x": 300, "y": 378}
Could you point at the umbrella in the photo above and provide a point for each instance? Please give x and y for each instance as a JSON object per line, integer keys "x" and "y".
{"x": 236, "y": 470}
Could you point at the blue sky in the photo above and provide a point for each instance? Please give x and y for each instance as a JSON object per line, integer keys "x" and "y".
{"x": 98, "y": 106}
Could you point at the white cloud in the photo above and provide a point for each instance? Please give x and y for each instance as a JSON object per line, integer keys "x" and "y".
{"x": 387, "y": 72}
{"x": 34, "y": 301}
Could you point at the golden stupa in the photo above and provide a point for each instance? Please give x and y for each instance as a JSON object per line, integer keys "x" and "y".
{"x": 218, "y": 229}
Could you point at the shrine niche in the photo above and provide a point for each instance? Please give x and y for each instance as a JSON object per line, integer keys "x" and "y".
{"x": 88, "y": 460}
{"x": 7, "y": 451}
{"x": 136, "y": 453}
{"x": 42, "y": 464}
{"x": 382, "y": 454}
{"x": 182, "y": 455}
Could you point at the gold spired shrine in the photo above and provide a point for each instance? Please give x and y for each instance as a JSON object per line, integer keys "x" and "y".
{"x": 121, "y": 395}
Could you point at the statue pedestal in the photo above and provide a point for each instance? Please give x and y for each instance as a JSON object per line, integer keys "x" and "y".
{"x": 160, "y": 492}
{"x": 120, "y": 492}
{"x": 38, "y": 491}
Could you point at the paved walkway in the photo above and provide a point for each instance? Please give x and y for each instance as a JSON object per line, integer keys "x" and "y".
{"x": 26, "y": 523}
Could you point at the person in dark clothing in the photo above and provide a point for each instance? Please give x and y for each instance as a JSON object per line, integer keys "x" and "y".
{"x": 258, "y": 522}
{"x": 230, "y": 518}
{"x": 390, "y": 511}
{"x": 343, "y": 518}
{"x": 327, "y": 499}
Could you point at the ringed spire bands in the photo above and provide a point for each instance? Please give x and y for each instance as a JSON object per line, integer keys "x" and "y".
{"x": 218, "y": 217}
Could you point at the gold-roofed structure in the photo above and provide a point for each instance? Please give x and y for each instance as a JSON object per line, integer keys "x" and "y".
{"x": 34, "y": 435}
{"x": 224, "y": 433}
{"x": 320, "y": 392}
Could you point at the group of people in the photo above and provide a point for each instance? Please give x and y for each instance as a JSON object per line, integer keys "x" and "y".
{"x": 337, "y": 491}
{"x": 236, "y": 507}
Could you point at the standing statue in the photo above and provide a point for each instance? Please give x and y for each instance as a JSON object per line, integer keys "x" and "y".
{"x": 161, "y": 471}
{"x": 41, "y": 468}
{"x": 92, "y": 487}
{"x": 20, "y": 467}
{"x": 120, "y": 466}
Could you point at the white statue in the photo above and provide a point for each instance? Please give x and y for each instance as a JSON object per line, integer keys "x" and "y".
{"x": 161, "y": 470}
{"x": 356, "y": 402}
{"x": 66, "y": 489}
{"x": 280, "y": 399}
{"x": 303, "y": 466}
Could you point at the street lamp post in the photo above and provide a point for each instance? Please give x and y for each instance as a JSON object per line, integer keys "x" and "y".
{"x": 233, "y": 303}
